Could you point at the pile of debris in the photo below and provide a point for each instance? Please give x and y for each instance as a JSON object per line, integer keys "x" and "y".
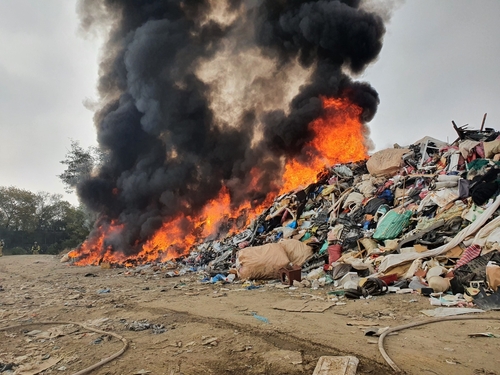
{"x": 423, "y": 217}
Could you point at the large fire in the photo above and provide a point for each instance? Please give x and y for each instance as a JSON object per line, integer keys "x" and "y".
{"x": 338, "y": 138}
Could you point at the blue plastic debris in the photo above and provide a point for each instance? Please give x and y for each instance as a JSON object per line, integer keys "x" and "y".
{"x": 261, "y": 318}
{"x": 324, "y": 248}
{"x": 218, "y": 277}
{"x": 252, "y": 287}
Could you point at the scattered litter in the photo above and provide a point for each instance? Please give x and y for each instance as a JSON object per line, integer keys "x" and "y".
{"x": 143, "y": 325}
{"x": 210, "y": 341}
{"x": 36, "y": 368}
{"x": 33, "y": 333}
{"x": 484, "y": 334}
{"x": 303, "y": 306}
{"x": 450, "y": 311}
{"x": 419, "y": 219}
{"x": 491, "y": 302}
{"x": 158, "y": 329}
{"x": 359, "y": 323}
{"x": 375, "y": 331}
{"x": 98, "y": 340}
{"x": 261, "y": 318}
{"x": 285, "y": 359}
{"x": 139, "y": 326}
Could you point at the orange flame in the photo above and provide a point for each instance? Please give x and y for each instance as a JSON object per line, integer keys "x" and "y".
{"x": 175, "y": 237}
{"x": 338, "y": 138}
{"x": 94, "y": 250}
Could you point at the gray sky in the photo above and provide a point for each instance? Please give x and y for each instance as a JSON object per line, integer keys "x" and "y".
{"x": 46, "y": 71}
{"x": 439, "y": 63}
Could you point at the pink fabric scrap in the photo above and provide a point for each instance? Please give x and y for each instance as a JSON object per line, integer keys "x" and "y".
{"x": 472, "y": 252}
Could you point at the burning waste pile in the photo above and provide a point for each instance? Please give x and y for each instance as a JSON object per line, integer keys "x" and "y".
{"x": 215, "y": 118}
{"x": 212, "y": 108}
{"x": 422, "y": 218}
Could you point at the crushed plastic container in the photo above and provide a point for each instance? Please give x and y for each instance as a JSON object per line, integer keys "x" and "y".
{"x": 316, "y": 274}
{"x": 351, "y": 278}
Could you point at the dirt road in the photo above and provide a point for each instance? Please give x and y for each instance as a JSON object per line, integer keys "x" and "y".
{"x": 215, "y": 329}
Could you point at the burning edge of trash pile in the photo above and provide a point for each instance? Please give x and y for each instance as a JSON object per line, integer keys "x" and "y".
{"x": 422, "y": 218}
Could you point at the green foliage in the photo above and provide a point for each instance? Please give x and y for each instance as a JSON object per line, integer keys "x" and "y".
{"x": 54, "y": 249}
{"x": 80, "y": 163}
{"x": 16, "y": 251}
{"x": 76, "y": 225}
{"x": 17, "y": 209}
{"x": 26, "y": 217}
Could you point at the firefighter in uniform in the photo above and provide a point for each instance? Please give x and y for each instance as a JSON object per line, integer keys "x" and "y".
{"x": 35, "y": 249}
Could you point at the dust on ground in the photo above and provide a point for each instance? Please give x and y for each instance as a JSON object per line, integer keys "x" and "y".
{"x": 215, "y": 329}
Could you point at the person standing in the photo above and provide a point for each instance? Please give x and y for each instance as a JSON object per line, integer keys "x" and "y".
{"x": 2, "y": 244}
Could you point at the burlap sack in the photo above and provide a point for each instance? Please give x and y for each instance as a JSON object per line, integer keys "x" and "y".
{"x": 491, "y": 148}
{"x": 298, "y": 252}
{"x": 261, "y": 262}
{"x": 386, "y": 162}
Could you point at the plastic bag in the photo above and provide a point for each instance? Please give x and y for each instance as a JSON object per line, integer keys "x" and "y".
{"x": 493, "y": 275}
{"x": 392, "y": 224}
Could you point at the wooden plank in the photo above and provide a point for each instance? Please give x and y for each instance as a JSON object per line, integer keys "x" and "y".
{"x": 346, "y": 365}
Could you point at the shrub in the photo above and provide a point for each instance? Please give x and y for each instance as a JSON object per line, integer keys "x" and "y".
{"x": 16, "y": 251}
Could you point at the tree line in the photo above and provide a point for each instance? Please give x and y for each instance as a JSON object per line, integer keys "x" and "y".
{"x": 27, "y": 217}
{"x": 45, "y": 218}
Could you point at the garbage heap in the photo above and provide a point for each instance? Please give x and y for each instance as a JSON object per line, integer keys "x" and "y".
{"x": 423, "y": 217}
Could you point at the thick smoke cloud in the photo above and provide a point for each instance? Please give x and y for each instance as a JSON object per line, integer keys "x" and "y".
{"x": 333, "y": 35}
{"x": 170, "y": 147}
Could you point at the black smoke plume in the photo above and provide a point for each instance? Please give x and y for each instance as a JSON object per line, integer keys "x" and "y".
{"x": 165, "y": 65}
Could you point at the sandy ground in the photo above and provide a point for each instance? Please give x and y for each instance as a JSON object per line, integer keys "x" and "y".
{"x": 213, "y": 329}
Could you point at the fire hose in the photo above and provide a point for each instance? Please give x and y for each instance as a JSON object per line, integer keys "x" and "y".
{"x": 94, "y": 366}
{"x": 390, "y": 362}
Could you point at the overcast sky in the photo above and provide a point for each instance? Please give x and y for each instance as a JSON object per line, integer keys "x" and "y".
{"x": 440, "y": 62}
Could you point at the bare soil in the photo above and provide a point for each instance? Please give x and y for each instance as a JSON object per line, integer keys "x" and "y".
{"x": 212, "y": 329}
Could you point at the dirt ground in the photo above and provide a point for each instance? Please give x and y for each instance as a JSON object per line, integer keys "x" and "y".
{"x": 214, "y": 329}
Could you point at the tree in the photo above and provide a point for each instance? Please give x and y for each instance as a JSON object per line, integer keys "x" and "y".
{"x": 49, "y": 210}
{"x": 26, "y": 217}
{"x": 17, "y": 209}
{"x": 77, "y": 224}
{"x": 75, "y": 227}
{"x": 80, "y": 164}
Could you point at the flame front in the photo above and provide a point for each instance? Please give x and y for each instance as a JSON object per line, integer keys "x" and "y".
{"x": 338, "y": 138}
